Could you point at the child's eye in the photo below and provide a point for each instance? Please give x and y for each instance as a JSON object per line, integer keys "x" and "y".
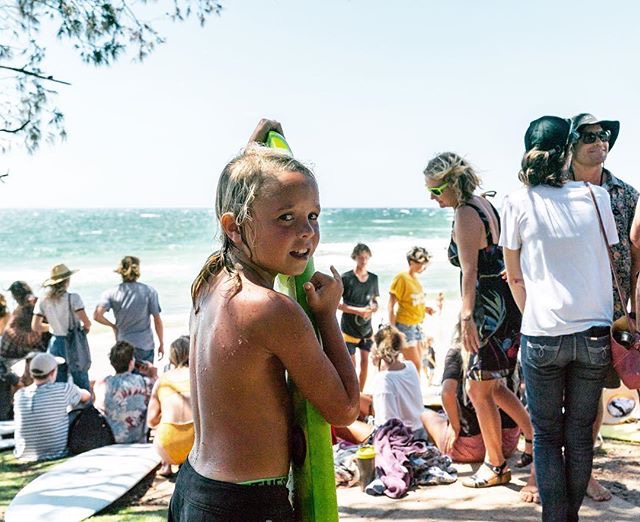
{"x": 313, "y": 216}
{"x": 286, "y": 217}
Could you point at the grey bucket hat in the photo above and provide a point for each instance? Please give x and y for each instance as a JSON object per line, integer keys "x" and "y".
{"x": 589, "y": 119}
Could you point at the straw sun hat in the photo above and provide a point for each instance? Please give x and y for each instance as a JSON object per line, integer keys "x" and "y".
{"x": 58, "y": 274}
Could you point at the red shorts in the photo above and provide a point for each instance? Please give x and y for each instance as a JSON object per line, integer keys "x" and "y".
{"x": 471, "y": 449}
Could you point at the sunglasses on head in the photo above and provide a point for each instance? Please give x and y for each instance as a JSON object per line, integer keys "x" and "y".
{"x": 590, "y": 137}
{"x": 437, "y": 191}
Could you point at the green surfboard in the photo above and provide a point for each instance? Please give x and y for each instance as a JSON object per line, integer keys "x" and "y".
{"x": 314, "y": 486}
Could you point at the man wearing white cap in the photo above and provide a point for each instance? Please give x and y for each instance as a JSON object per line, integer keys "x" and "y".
{"x": 40, "y": 410}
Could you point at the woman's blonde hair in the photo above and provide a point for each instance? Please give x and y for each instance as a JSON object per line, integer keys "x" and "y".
{"x": 543, "y": 167}
{"x": 239, "y": 185}
{"x": 389, "y": 342}
{"x": 179, "y": 354}
{"x": 3, "y": 306}
{"x": 129, "y": 269}
{"x": 451, "y": 168}
{"x": 58, "y": 290}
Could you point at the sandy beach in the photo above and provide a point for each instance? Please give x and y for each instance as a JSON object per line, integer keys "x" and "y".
{"x": 616, "y": 464}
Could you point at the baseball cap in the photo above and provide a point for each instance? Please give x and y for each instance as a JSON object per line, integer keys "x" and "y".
{"x": 43, "y": 364}
{"x": 547, "y": 133}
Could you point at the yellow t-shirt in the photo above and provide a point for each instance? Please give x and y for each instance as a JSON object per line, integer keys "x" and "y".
{"x": 410, "y": 295}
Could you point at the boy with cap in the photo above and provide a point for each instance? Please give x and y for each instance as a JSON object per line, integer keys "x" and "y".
{"x": 42, "y": 424}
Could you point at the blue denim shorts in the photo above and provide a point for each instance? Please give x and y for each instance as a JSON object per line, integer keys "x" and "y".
{"x": 413, "y": 333}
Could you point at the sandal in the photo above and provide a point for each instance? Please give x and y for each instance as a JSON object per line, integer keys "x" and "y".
{"x": 525, "y": 458}
{"x": 502, "y": 475}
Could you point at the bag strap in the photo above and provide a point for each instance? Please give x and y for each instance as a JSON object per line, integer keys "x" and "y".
{"x": 72, "y": 314}
{"x": 631, "y": 324}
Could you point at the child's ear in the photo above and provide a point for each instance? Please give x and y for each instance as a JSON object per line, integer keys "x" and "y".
{"x": 230, "y": 228}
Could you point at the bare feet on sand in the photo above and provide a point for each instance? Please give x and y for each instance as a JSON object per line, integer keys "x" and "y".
{"x": 529, "y": 493}
{"x": 597, "y": 491}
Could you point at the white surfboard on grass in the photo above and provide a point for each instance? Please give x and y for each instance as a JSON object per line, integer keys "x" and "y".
{"x": 7, "y": 427}
{"x": 7, "y": 444}
{"x": 83, "y": 485}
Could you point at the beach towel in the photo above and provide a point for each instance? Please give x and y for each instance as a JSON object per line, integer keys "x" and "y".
{"x": 394, "y": 443}
{"x": 432, "y": 468}
{"x": 344, "y": 464}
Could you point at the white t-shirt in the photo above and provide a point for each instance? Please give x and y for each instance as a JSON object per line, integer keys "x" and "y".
{"x": 57, "y": 311}
{"x": 397, "y": 395}
{"x": 563, "y": 256}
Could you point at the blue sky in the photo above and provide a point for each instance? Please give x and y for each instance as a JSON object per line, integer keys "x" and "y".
{"x": 367, "y": 92}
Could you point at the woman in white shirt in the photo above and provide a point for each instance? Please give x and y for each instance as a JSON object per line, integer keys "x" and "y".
{"x": 558, "y": 271}
{"x": 61, "y": 310}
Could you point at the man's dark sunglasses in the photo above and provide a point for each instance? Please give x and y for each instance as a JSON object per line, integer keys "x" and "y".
{"x": 590, "y": 137}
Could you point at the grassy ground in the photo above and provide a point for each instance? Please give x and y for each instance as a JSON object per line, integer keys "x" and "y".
{"x": 15, "y": 475}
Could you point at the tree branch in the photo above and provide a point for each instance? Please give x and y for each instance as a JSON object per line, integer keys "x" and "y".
{"x": 30, "y": 73}
{"x": 16, "y": 130}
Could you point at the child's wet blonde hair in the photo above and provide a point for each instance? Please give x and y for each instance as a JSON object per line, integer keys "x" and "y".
{"x": 389, "y": 342}
{"x": 239, "y": 185}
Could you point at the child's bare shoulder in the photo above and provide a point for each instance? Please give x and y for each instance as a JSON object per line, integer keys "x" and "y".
{"x": 272, "y": 304}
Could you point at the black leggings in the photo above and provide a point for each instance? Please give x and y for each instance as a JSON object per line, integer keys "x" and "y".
{"x": 197, "y": 498}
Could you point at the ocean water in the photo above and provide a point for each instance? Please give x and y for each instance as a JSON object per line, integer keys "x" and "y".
{"x": 173, "y": 244}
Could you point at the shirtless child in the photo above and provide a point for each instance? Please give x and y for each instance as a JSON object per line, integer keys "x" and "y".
{"x": 245, "y": 335}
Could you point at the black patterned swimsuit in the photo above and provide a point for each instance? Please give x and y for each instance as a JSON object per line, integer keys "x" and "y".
{"x": 495, "y": 312}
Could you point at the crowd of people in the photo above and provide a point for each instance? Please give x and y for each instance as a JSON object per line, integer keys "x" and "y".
{"x": 132, "y": 401}
{"x": 537, "y": 304}
{"x": 268, "y": 205}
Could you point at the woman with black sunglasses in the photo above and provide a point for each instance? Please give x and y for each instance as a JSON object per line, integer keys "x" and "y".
{"x": 489, "y": 318}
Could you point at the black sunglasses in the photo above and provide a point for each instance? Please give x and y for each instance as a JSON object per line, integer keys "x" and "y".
{"x": 590, "y": 137}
